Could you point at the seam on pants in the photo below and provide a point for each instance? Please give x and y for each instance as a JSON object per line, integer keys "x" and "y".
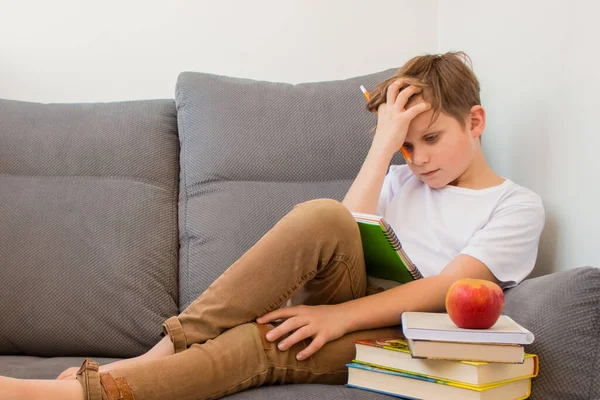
{"x": 338, "y": 257}
{"x": 304, "y": 369}
{"x": 87, "y": 385}
{"x": 343, "y": 258}
{"x": 242, "y": 382}
{"x": 289, "y": 291}
{"x": 313, "y": 375}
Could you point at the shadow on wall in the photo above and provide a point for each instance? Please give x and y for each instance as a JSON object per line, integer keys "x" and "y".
{"x": 548, "y": 248}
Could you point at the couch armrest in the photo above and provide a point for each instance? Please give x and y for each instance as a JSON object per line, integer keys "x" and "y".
{"x": 563, "y": 311}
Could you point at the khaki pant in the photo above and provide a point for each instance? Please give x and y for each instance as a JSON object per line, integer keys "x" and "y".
{"x": 315, "y": 254}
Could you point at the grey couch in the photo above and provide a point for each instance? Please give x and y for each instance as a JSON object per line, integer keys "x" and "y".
{"x": 115, "y": 216}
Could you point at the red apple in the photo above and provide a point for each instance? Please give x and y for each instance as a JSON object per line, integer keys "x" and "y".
{"x": 474, "y": 303}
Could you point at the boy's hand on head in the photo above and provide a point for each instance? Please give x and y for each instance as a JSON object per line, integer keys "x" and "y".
{"x": 394, "y": 118}
{"x": 321, "y": 323}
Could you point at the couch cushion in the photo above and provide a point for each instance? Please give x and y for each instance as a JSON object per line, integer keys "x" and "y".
{"x": 308, "y": 392}
{"x": 563, "y": 311}
{"x": 29, "y": 367}
{"x": 250, "y": 150}
{"x": 88, "y": 221}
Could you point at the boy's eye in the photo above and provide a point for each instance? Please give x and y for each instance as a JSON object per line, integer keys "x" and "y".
{"x": 408, "y": 146}
{"x": 431, "y": 138}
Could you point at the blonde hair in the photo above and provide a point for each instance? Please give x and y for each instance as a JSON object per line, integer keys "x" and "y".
{"x": 448, "y": 83}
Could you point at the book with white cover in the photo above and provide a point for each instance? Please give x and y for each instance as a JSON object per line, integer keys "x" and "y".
{"x": 439, "y": 326}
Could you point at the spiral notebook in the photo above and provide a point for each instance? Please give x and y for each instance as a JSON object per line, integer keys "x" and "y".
{"x": 384, "y": 256}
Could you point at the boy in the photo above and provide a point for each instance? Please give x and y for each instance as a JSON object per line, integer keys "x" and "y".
{"x": 455, "y": 217}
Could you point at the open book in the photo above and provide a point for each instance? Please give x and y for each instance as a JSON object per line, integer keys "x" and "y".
{"x": 384, "y": 256}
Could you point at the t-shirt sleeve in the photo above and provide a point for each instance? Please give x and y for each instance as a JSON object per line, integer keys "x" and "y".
{"x": 508, "y": 243}
{"x": 393, "y": 181}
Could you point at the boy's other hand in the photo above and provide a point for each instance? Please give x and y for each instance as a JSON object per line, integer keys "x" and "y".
{"x": 323, "y": 324}
{"x": 394, "y": 118}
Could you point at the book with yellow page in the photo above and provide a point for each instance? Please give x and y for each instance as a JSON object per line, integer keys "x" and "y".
{"x": 402, "y": 384}
{"x": 461, "y": 351}
{"x": 395, "y": 354}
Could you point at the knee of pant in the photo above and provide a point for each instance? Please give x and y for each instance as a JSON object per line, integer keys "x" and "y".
{"x": 326, "y": 212}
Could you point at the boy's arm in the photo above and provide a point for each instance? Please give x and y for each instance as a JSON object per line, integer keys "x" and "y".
{"x": 427, "y": 294}
{"x": 363, "y": 195}
{"x": 393, "y": 120}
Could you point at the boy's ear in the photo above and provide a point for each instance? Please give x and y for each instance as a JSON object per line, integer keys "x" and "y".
{"x": 476, "y": 121}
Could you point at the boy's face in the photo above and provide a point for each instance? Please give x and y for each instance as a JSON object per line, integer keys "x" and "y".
{"x": 444, "y": 152}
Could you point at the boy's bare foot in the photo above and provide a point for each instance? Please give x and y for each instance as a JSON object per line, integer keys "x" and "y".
{"x": 68, "y": 373}
{"x": 161, "y": 349}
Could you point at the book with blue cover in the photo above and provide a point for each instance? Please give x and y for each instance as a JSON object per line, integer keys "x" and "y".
{"x": 410, "y": 386}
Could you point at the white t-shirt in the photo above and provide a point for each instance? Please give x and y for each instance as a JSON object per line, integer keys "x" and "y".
{"x": 500, "y": 226}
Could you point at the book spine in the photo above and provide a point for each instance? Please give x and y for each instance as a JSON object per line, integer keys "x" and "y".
{"x": 395, "y": 242}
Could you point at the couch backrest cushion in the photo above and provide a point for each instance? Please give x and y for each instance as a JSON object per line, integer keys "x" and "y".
{"x": 563, "y": 312}
{"x": 88, "y": 226}
{"x": 250, "y": 150}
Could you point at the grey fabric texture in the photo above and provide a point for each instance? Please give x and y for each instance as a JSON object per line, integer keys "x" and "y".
{"x": 88, "y": 226}
{"x": 250, "y": 150}
{"x": 30, "y": 367}
{"x": 563, "y": 312}
{"x": 308, "y": 392}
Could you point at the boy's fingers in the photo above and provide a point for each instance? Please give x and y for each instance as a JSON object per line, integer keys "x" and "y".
{"x": 299, "y": 335}
{"x": 312, "y": 348}
{"x": 417, "y": 109}
{"x": 287, "y": 326}
{"x": 273, "y": 315}
{"x": 280, "y": 313}
{"x": 405, "y": 95}
{"x": 393, "y": 90}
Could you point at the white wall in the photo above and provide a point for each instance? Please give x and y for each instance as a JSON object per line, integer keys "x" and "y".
{"x": 537, "y": 62}
{"x": 72, "y": 50}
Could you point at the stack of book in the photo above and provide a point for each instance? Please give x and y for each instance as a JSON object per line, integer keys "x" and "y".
{"x": 438, "y": 360}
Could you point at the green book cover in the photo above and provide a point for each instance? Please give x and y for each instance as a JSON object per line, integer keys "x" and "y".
{"x": 383, "y": 251}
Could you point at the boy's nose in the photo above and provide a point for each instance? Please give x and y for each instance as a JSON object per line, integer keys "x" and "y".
{"x": 420, "y": 156}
